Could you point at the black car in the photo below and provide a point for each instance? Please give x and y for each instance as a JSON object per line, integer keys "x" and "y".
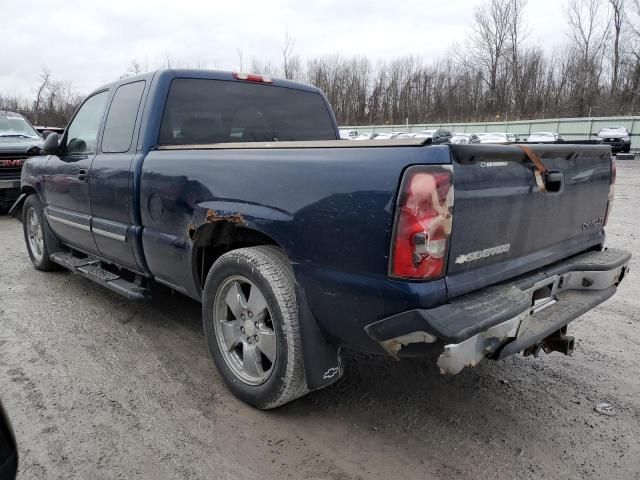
{"x": 441, "y": 135}
{"x": 617, "y": 137}
{"x": 18, "y": 140}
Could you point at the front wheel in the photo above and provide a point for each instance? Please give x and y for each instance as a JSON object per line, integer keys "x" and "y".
{"x": 38, "y": 237}
{"x": 250, "y": 317}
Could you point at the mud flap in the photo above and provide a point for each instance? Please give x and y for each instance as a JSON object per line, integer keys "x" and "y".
{"x": 322, "y": 364}
{"x": 16, "y": 209}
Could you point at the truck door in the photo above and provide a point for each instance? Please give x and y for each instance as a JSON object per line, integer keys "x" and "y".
{"x": 66, "y": 182}
{"x": 111, "y": 180}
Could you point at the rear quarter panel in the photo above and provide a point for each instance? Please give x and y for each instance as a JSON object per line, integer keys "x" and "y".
{"x": 331, "y": 210}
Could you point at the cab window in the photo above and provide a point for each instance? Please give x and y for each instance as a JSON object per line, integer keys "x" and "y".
{"x": 82, "y": 134}
{"x": 121, "y": 119}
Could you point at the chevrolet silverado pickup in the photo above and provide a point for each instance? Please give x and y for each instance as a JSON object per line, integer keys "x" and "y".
{"x": 18, "y": 140}
{"x": 235, "y": 190}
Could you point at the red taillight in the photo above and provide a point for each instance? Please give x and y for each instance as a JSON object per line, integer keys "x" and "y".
{"x": 612, "y": 190}
{"x": 251, "y": 77}
{"x": 423, "y": 224}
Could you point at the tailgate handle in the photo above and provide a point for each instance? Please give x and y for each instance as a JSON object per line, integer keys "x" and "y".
{"x": 554, "y": 180}
{"x": 539, "y": 170}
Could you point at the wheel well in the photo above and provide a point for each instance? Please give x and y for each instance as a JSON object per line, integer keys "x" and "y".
{"x": 210, "y": 241}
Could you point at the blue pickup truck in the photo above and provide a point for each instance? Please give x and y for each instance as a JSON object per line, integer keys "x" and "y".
{"x": 235, "y": 190}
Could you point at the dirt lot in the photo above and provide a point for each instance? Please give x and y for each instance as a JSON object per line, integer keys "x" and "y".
{"x": 101, "y": 388}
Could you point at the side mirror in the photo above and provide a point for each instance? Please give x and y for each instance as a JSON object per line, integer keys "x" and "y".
{"x": 51, "y": 145}
{"x": 46, "y": 133}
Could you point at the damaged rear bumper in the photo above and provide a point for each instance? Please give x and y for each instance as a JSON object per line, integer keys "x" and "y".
{"x": 504, "y": 319}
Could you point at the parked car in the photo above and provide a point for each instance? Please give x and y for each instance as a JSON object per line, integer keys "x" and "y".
{"x": 543, "y": 137}
{"x": 18, "y": 140}
{"x": 494, "y": 137}
{"x": 45, "y": 131}
{"x": 617, "y": 137}
{"x": 442, "y": 135}
{"x": 348, "y": 134}
{"x": 234, "y": 190}
{"x": 428, "y": 133}
{"x": 460, "y": 138}
{"x": 365, "y": 136}
{"x": 384, "y": 136}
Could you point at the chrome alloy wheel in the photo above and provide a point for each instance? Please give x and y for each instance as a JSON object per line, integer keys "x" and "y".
{"x": 34, "y": 234}
{"x": 244, "y": 330}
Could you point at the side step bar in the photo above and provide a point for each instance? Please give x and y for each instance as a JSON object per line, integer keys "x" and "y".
{"x": 90, "y": 268}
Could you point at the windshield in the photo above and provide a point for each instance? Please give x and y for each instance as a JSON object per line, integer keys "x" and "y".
{"x": 12, "y": 125}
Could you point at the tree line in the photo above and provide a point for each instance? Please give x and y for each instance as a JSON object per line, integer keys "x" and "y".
{"x": 496, "y": 73}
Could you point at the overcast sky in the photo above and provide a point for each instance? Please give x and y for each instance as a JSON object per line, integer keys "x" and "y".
{"x": 93, "y": 43}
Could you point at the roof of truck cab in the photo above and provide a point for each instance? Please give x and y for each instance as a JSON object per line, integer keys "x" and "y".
{"x": 171, "y": 73}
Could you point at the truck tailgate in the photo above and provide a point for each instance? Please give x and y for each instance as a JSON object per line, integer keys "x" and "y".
{"x": 504, "y": 225}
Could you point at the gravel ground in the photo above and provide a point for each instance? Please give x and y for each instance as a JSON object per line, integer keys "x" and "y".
{"x": 101, "y": 388}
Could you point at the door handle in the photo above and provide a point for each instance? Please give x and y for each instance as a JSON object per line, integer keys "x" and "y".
{"x": 82, "y": 175}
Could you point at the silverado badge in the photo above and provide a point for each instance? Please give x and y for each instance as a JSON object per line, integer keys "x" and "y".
{"x": 487, "y": 252}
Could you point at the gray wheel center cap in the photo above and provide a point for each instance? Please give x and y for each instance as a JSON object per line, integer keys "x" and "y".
{"x": 249, "y": 328}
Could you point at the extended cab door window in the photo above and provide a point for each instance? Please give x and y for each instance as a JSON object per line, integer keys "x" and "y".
{"x": 121, "y": 119}
{"x": 82, "y": 134}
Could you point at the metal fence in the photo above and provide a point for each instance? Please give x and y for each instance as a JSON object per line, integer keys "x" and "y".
{"x": 568, "y": 128}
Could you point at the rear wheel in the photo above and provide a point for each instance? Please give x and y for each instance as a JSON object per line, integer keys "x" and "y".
{"x": 38, "y": 237}
{"x": 250, "y": 317}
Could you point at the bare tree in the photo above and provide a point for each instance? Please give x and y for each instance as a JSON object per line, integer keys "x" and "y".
{"x": 489, "y": 41}
{"x": 45, "y": 75}
{"x": 287, "y": 55}
{"x": 518, "y": 32}
{"x": 617, "y": 19}
{"x": 240, "y": 58}
{"x": 134, "y": 68}
{"x": 588, "y": 33}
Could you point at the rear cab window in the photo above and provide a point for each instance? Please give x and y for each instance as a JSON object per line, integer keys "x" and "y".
{"x": 203, "y": 111}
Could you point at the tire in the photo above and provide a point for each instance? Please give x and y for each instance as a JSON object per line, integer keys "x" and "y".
{"x": 255, "y": 342}
{"x": 41, "y": 248}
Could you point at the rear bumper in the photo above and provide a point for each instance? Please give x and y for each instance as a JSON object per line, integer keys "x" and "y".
{"x": 505, "y": 319}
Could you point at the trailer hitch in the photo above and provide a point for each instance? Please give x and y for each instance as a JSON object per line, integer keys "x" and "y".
{"x": 558, "y": 341}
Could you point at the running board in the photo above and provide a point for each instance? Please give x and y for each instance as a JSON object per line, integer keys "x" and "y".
{"x": 90, "y": 269}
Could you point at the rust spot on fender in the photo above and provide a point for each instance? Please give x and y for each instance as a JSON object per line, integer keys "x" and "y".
{"x": 214, "y": 216}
